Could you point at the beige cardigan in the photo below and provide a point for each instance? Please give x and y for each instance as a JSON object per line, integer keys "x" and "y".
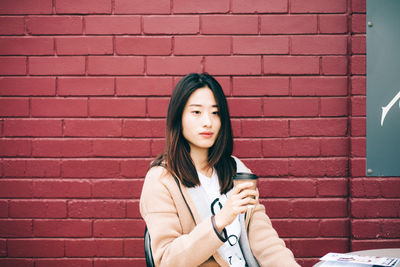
{"x": 176, "y": 240}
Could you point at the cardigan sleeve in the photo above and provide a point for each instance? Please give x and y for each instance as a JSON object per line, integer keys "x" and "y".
{"x": 170, "y": 246}
{"x": 265, "y": 243}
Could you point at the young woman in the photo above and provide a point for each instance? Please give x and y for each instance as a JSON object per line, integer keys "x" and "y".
{"x": 193, "y": 213}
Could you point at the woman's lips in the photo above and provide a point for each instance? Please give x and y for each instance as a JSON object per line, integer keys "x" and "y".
{"x": 206, "y": 134}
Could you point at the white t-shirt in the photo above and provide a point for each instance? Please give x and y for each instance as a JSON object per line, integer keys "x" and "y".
{"x": 208, "y": 195}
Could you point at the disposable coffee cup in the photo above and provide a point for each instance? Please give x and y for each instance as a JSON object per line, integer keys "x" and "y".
{"x": 243, "y": 177}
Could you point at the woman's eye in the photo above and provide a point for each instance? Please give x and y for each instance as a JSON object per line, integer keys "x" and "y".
{"x": 196, "y": 112}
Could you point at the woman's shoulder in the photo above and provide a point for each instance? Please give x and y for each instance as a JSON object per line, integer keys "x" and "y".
{"x": 157, "y": 173}
{"x": 240, "y": 166}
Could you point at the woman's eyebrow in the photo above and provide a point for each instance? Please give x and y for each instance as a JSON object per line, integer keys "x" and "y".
{"x": 199, "y": 105}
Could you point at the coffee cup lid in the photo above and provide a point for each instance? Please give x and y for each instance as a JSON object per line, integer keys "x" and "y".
{"x": 245, "y": 176}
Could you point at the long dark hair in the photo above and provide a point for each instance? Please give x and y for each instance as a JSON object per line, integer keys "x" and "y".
{"x": 176, "y": 156}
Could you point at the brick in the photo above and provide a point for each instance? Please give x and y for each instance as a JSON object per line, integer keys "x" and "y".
{"x": 202, "y": 45}
{"x": 85, "y": 86}
{"x": 118, "y": 228}
{"x": 358, "y": 106}
{"x": 12, "y": 25}
{"x": 316, "y": 208}
{"x": 277, "y": 208}
{"x": 3, "y": 209}
{"x": 358, "y": 147}
{"x": 206, "y": 6}
{"x": 233, "y": 65}
{"x": 332, "y": 23}
{"x": 144, "y": 86}
{"x": 59, "y": 107}
{"x": 359, "y": 6}
{"x": 94, "y": 248}
{"x": 375, "y": 208}
{"x": 62, "y": 228}
{"x": 135, "y": 168}
{"x": 290, "y": 107}
{"x": 15, "y": 228}
{"x": 331, "y": 167}
{"x": 247, "y": 148}
{"x": 118, "y": 262}
{"x": 358, "y": 64}
{"x": 361, "y": 229}
{"x": 358, "y": 245}
{"x": 117, "y": 107}
{"x": 143, "y": 128}
{"x": 291, "y": 147}
{"x": 10, "y": 188}
{"x": 35, "y": 248}
{"x": 92, "y": 127}
{"x": 296, "y": 228}
{"x": 90, "y": 168}
{"x": 142, "y": 7}
{"x": 261, "y": 45}
{"x": 27, "y": 86}
{"x": 332, "y": 187}
{"x": 358, "y": 85}
{"x": 110, "y": 65}
{"x": 259, "y": 6}
{"x": 3, "y": 249}
{"x": 14, "y": 107}
{"x": 92, "y": 45}
{"x": 61, "y": 148}
{"x": 260, "y": 86}
{"x": 290, "y": 65}
{"x": 132, "y": 209}
{"x": 139, "y": 45}
{"x": 333, "y": 106}
{"x": 26, "y": 7}
{"x": 319, "y": 86}
{"x": 334, "y": 228}
{"x": 6, "y": 262}
{"x": 319, "y": 45}
{"x": 318, "y": 247}
{"x": 358, "y": 126}
{"x": 388, "y": 188}
{"x": 358, "y": 23}
{"x": 15, "y": 147}
{"x": 173, "y": 65}
{"x": 79, "y": 7}
{"x": 31, "y": 168}
{"x": 245, "y": 107}
{"x": 63, "y": 262}
{"x": 54, "y": 25}
{"x": 357, "y": 167}
{"x": 113, "y": 24}
{"x": 280, "y": 187}
{"x": 318, "y": 6}
{"x": 171, "y": 24}
{"x": 264, "y": 128}
{"x": 38, "y": 209}
{"x": 57, "y": 65}
{"x": 117, "y": 189}
{"x": 390, "y": 228}
{"x": 61, "y": 189}
{"x": 133, "y": 248}
{"x": 96, "y": 209}
{"x": 288, "y": 24}
{"x": 358, "y": 44}
{"x": 229, "y": 24}
{"x": 334, "y": 65}
{"x": 361, "y": 187}
{"x": 157, "y": 147}
{"x": 12, "y": 65}
{"x": 334, "y": 147}
{"x": 121, "y": 148}
{"x": 26, "y": 46}
{"x": 268, "y": 167}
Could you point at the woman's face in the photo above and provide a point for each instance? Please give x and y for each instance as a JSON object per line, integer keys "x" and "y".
{"x": 200, "y": 119}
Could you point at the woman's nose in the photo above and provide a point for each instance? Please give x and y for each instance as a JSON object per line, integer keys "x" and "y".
{"x": 206, "y": 119}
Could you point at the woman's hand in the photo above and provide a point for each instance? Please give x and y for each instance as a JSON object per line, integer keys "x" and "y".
{"x": 241, "y": 196}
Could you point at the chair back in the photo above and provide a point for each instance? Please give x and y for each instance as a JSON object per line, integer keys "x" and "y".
{"x": 147, "y": 249}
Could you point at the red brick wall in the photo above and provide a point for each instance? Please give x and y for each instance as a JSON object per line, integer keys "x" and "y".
{"x": 84, "y": 89}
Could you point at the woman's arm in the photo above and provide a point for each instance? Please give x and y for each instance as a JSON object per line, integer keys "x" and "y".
{"x": 265, "y": 243}
{"x": 170, "y": 246}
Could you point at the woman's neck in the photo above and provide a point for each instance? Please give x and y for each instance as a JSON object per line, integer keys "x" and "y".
{"x": 200, "y": 161}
